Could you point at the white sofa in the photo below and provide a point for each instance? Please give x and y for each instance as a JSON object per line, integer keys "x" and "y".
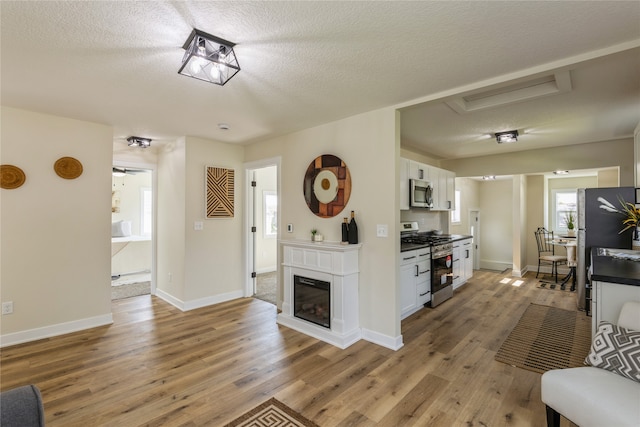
{"x": 590, "y": 396}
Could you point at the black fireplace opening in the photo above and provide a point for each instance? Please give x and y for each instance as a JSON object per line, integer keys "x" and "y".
{"x": 311, "y": 300}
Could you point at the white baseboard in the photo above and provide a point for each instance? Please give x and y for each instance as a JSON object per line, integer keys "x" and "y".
{"x": 495, "y": 265}
{"x": 198, "y": 303}
{"x": 55, "y": 330}
{"x": 382, "y": 340}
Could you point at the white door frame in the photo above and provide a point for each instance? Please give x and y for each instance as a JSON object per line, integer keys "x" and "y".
{"x": 249, "y": 168}
{"x": 154, "y": 188}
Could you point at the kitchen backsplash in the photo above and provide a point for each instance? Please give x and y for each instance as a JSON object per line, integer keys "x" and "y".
{"x": 426, "y": 219}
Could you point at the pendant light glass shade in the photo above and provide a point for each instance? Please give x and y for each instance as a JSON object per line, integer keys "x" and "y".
{"x": 209, "y": 58}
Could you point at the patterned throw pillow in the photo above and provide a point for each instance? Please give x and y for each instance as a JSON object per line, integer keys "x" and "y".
{"x": 616, "y": 349}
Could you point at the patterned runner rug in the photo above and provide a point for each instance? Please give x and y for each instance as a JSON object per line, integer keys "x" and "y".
{"x": 547, "y": 338}
{"x": 272, "y": 413}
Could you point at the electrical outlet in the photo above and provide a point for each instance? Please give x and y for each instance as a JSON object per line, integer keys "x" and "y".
{"x": 382, "y": 230}
{"x": 198, "y": 225}
{"x": 7, "y": 307}
{"x": 290, "y": 228}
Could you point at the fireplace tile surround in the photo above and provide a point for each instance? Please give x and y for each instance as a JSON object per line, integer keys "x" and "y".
{"x": 333, "y": 263}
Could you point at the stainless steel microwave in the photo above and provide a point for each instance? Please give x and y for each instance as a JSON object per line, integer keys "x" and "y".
{"x": 421, "y": 194}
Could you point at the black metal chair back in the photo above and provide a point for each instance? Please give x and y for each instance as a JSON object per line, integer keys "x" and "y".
{"x": 544, "y": 239}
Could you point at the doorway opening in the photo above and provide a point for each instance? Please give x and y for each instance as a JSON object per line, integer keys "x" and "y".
{"x": 132, "y": 230}
{"x": 263, "y": 220}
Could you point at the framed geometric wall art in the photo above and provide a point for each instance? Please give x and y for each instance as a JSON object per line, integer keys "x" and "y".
{"x": 220, "y": 191}
{"x": 327, "y": 186}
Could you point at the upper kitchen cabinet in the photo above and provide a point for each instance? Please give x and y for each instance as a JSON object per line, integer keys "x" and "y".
{"x": 418, "y": 171}
{"x": 442, "y": 183}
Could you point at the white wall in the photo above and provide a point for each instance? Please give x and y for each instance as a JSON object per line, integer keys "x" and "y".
{"x": 56, "y": 233}
{"x": 369, "y": 144}
{"x": 170, "y": 280}
{"x": 496, "y": 233}
{"x": 198, "y": 267}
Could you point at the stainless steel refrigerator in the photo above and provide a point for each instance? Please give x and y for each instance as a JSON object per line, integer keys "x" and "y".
{"x": 598, "y": 227}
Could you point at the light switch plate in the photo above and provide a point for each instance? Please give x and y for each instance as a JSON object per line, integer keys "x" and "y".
{"x": 198, "y": 225}
{"x": 382, "y": 230}
{"x": 290, "y": 228}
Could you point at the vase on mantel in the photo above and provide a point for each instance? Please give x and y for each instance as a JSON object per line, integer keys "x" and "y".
{"x": 635, "y": 242}
{"x": 571, "y": 233}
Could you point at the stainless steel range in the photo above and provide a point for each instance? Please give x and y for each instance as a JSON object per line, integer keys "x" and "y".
{"x": 441, "y": 259}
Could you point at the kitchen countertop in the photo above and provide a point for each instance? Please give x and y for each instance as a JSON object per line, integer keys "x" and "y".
{"x": 404, "y": 247}
{"x": 606, "y": 268}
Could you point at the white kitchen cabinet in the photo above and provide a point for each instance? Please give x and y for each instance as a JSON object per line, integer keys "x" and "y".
{"x": 418, "y": 170}
{"x": 466, "y": 258}
{"x": 415, "y": 280}
{"x": 457, "y": 265}
{"x": 607, "y": 300}
{"x": 408, "y": 274}
{"x": 404, "y": 184}
{"x": 450, "y": 178}
{"x": 443, "y": 184}
{"x": 462, "y": 262}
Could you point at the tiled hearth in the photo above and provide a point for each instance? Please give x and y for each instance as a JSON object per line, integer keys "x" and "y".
{"x": 333, "y": 263}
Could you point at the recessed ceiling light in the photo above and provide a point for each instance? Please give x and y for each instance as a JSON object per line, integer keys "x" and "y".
{"x": 559, "y": 172}
{"x": 223, "y": 126}
{"x": 508, "y": 136}
{"x": 136, "y": 141}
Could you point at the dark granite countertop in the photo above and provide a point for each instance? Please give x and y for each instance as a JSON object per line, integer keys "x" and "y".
{"x": 606, "y": 268}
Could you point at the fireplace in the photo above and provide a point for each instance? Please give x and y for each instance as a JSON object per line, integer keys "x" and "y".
{"x": 312, "y": 300}
{"x": 320, "y": 293}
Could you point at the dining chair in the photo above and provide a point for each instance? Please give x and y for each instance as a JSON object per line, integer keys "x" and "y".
{"x": 546, "y": 251}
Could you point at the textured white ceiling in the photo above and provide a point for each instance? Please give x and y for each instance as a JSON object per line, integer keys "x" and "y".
{"x": 308, "y": 63}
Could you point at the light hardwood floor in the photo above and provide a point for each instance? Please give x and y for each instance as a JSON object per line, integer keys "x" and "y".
{"x": 158, "y": 366}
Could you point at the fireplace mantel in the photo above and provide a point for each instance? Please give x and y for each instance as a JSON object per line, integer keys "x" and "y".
{"x": 336, "y": 264}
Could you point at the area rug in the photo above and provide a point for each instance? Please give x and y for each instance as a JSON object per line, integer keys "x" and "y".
{"x": 130, "y": 290}
{"x": 272, "y": 413}
{"x": 555, "y": 286}
{"x": 547, "y": 338}
{"x": 266, "y": 287}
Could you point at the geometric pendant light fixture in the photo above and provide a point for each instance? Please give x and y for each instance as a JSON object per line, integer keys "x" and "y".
{"x": 209, "y": 58}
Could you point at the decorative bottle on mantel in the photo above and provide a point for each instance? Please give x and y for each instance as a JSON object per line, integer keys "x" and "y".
{"x": 353, "y": 229}
{"x": 345, "y": 231}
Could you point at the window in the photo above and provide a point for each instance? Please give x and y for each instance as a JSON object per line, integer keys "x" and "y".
{"x": 270, "y": 207}
{"x": 563, "y": 202}
{"x": 146, "y": 211}
{"x": 455, "y": 213}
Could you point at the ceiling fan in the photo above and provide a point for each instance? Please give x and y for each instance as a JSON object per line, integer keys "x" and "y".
{"x": 124, "y": 171}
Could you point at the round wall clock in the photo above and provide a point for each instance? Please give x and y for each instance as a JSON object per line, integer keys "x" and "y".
{"x": 327, "y": 186}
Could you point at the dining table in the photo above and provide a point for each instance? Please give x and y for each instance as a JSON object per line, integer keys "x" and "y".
{"x": 570, "y": 244}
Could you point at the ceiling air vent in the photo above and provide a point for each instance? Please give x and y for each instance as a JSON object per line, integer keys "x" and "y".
{"x": 559, "y": 82}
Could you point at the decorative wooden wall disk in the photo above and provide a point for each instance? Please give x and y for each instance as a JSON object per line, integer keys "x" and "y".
{"x": 220, "y": 192}
{"x": 12, "y": 177}
{"x": 327, "y": 186}
{"x": 68, "y": 167}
